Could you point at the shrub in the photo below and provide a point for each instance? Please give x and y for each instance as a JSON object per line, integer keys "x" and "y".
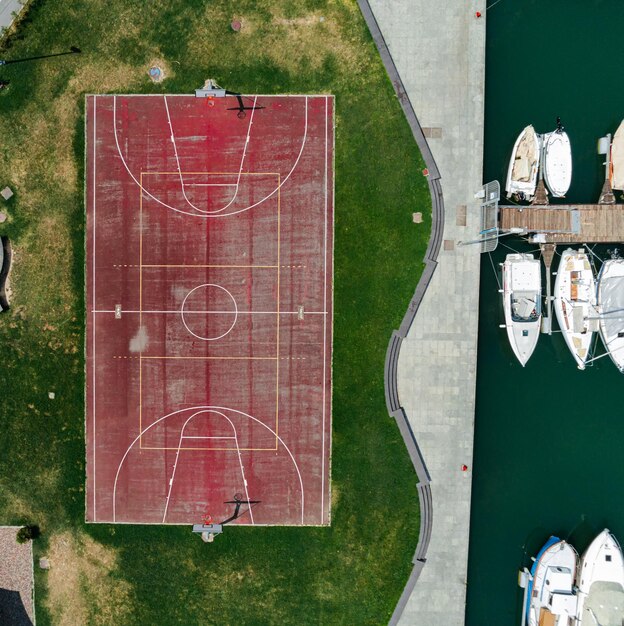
{"x": 26, "y": 533}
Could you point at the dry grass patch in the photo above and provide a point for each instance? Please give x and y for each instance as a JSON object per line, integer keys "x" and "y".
{"x": 295, "y": 41}
{"x": 82, "y": 588}
{"x": 41, "y": 278}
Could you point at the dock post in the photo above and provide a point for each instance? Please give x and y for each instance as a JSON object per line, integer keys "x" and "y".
{"x": 548, "y": 253}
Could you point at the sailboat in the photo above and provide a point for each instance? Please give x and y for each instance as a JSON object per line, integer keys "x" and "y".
{"x": 610, "y": 304}
{"x": 575, "y": 303}
{"x": 600, "y": 583}
{"x": 522, "y": 302}
{"x": 524, "y": 165}
{"x": 551, "y": 597}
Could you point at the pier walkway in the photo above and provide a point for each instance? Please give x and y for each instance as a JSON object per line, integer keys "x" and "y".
{"x": 579, "y": 223}
{"x": 439, "y": 52}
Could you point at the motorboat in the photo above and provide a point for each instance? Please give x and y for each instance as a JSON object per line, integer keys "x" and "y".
{"x": 616, "y": 160}
{"x": 610, "y": 305}
{"x": 550, "y": 598}
{"x": 522, "y": 302}
{"x": 524, "y": 165}
{"x": 575, "y": 303}
{"x": 557, "y": 161}
{"x": 600, "y": 583}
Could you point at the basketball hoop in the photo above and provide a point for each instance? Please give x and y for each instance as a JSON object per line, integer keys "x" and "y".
{"x": 211, "y": 101}
{"x": 207, "y": 519}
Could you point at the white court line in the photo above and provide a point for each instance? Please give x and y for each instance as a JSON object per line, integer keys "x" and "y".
{"x": 175, "y": 465}
{"x": 175, "y": 149}
{"x": 222, "y": 334}
{"x": 215, "y": 312}
{"x": 324, "y": 331}
{"x": 93, "y": 315}
{"x": 213, "y": 408}
{"x": 208, "y": 215}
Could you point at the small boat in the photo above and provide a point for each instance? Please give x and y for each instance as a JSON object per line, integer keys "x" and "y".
{"x": 575, "y": 303}
{"x": 524, "y": 165}
{"x": 616, "y": 161}
{"x": 557, "y": 161}
{"x": 551, "y": 597}
{"x": 600, "y": 583}
{"x": 522, "y": 302}
{"x": 611, "y": 309}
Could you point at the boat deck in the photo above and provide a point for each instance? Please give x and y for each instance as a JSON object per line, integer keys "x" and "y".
{"x": 578, "y": 223}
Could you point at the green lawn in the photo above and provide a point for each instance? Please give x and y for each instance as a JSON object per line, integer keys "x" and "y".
{"x": 350, "y": 573}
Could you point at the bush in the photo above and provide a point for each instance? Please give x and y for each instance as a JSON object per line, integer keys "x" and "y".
{"x": 26, "y": 533}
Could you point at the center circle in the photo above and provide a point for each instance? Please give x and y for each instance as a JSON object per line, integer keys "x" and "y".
{"x": 209, "y": 312}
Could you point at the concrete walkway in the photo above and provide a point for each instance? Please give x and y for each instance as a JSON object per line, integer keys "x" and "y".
{"x": 9, "y": 10}
{"x": 439, "y": 51}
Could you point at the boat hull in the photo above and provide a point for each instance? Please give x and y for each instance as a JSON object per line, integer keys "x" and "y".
{"x": 553, "y": 573}
{"x": 557, "y": 164}
{"x": 524, "y": 165}
{"x": 610, "y": 306}
{"x": 601, "y": 583}
{"x": 522, "y": 293}
{"x": 616, "y": 164}
{"x": 575, "y": 303}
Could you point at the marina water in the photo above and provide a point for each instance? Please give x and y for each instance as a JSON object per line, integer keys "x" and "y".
{"x": 549, "y": 439}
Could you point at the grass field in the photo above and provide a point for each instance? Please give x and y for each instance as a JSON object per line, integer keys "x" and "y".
{"x": 350, "y": 573}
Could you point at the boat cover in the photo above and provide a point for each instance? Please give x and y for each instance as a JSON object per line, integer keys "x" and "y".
{"x": 612, "y": 305}
{"x": 617, "y": 158}
{"x": 526, "y": 157}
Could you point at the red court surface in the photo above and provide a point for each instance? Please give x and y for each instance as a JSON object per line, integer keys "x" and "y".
{"x": 209, "y": 308}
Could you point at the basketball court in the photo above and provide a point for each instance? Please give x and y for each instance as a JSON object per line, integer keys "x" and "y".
{"x": 209, "y": 308}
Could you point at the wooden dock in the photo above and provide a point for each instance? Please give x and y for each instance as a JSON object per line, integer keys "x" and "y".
{"x": 578, "y": 223}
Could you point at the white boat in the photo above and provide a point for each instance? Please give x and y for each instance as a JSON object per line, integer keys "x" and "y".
{"x": 522, "y": 302}
{"x": 616, "y": 161}
{"x": 557, "y": 163}
{"x": 600, "y": 583}
{"x": 575, "y": 303}
{"x": 551, "y": 597}
{"x": 611, "y": 309}
{"x": 524, "y": 165}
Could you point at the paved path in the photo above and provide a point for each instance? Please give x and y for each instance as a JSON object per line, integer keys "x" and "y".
{"x": 8, "y": 10}
{"x": 439, "y": 51}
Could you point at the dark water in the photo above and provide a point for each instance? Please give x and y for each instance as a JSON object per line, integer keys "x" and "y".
{"x": 549, "y": 439}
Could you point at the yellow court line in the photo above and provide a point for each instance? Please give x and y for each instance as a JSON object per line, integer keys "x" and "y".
{"x": 218, "y": 266}
{"x": 212, "y": 173}
{"x": 141, "y": 266}
{"x": 208, "y": 358}
{"x": 216, "y": 449}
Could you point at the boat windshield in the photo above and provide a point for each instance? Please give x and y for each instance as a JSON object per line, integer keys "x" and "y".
{"x": 525, "y": 306}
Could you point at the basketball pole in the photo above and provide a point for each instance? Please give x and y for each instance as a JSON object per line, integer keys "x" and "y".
{"x": 209, "y": 531}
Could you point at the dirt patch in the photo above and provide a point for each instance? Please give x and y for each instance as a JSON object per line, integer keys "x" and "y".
{"x": 140, "y": 341}
{"x": 82, "y": 587}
